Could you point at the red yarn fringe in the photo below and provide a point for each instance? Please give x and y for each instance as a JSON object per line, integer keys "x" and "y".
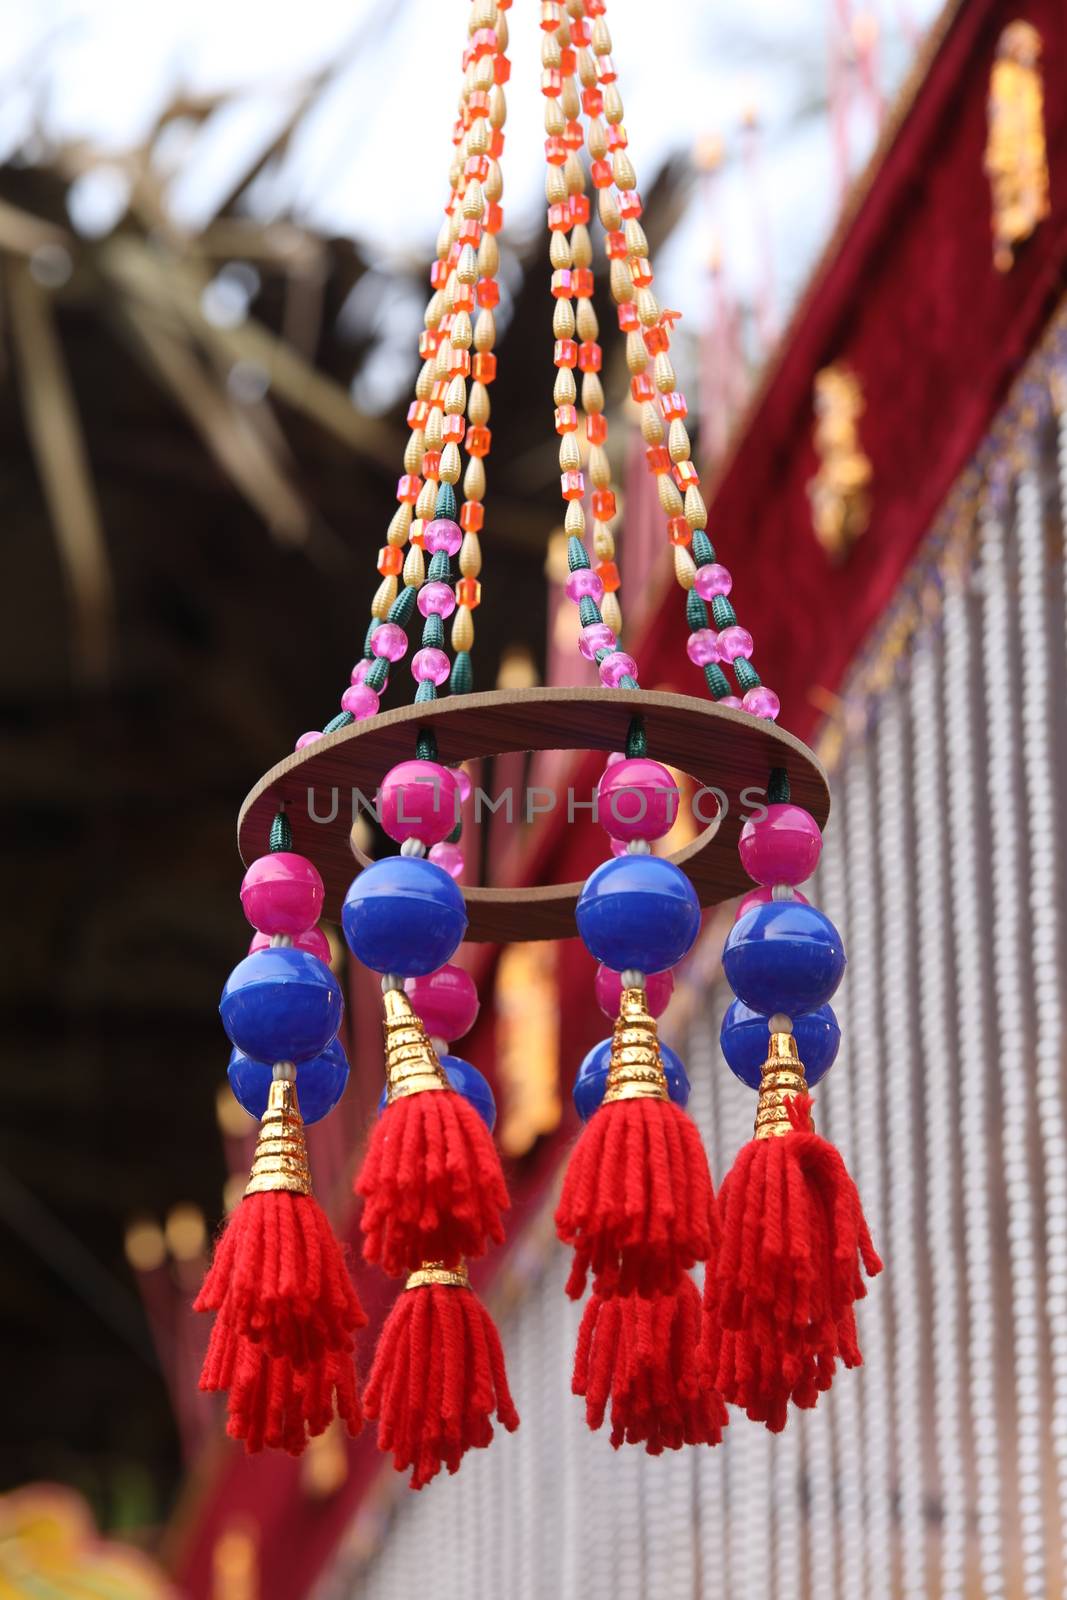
{"x": 274, "y": 1403}
{"x": 282, "y": 1340}
{"x": 641, "y": 1355}
{"x": 432, "y": 1184}
{"x": 778, "y": 1296}
{"x": 636, "y": 1199}
{"x": 279, "y": 1278}
{"x": 438, "y": 1376}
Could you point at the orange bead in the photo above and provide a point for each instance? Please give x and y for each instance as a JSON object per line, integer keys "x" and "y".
{"x": 429, "y": 339}
{"x": 578, "y": 206}
{"x": 459, "y": 363}
{"x": 562, "y": 284}
{"x": 630, "y": 203}
{"x": 601, "y": 174}
{"x": 438, "y": 392}
{"x": 494, "y": 217}
{"x": 592, "y": 102}
{"x": 603, "y": 505}
{"x": 674, "y": 405}
{"x": 565, "y": 353}
{"x": 679, "y": 531}
{"x": 629, "y": 321}
{"x": 686, "y": 475}
{"x": 615, "y": 244}
{"x": 641, "y": 272}
{"x": 551, "y": 83}
{"x": 496, "y": 140}
{"x": 408, "y": 487}
{"x": 469, "y": 592}
{"x": 596, "y": 427}
{"x": 617, "y": 138}
{"x": 658, "y": 458}
{"x": 555, "y": 150}
{"x": 470, "y": 232}
{"x": 582, "y": 278}
{"x": 641, "y": 387}
{"x": 418, "y": 411}
{"x": 453, "y": 430}
{"x": 608, "y": 573}
{"x": 478, "y": 441}
{"x": 477, "y": 167}
{"x": 472, "y": 516}
{"x": 605, "y": 70}
{"x": 501, "y": 71}
{"x": 431, "y": 465}
{"x": 483, "y": 367}
{"x": 487, "y": 292}
{"x": 390, "y": 560}
{"x": 568, "y": 62}
{"x": 464, "y": 297}
{"x": 573, "y": 137}
{"x": 559, "y": 217}
{"x": 590, "y": 356}
{"x": 566, "y": 419}
{"x": 572, "y": 485}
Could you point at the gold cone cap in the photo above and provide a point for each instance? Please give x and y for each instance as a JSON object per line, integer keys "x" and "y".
{"x": 437, "y": 1272}
{"x": 280, "y": 1163}
{"x": 636, "y": 1069}
{"x": 411, "y": 1063}
{"x": 783, "y": 1078}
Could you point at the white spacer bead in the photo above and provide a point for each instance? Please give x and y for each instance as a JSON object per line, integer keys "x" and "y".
{"x": 413, "y": 847}
{"x": 281, "y": 941}
{"x": 440, "y": 1045}
{"x": 783, "y": 891}
{"x": 638, "y": 847}
{"x": 391, "y": 981}
{"x": 633, "y": 979}
{"x": 286, "y": 1070}
{"x": 779, "y": 1023}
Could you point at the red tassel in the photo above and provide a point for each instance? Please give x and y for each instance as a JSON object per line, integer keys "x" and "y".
{"x": 636, "y": 1199}
{"x": 432, "y": 1184}
{"x": 438, "y": 1376}
{"x": 274, "y": 1403}
{"x": 641, "y": 1354}
{"x": 778, "y": 1297}
{"x": 278, "y": 1277}
{"x": 286, "y": 1309}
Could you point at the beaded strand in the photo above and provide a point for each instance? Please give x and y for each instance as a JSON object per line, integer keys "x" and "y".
{"x": 647, "y": 329}
{"x": 463, "y": 276}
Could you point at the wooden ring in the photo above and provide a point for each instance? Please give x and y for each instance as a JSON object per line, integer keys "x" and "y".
{"x": 726, "y": 751}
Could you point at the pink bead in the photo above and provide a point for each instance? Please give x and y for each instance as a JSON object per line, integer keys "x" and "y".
{"x": 597, "y": 636}
{"x": 389, "y": 641}
{"x": 449, "y": 857}
{"x": 442, "y": 534}
{"x": 659, "y": 986}
{"x": 282, "y": 893}
{"x": 584, "y": 584}
{"x": 731, "y": 701}
{"x": 360, "y": 701}
{"x": 637, "y": 799}
{"x": 359, "y": 671}
{"x": 702, "y": 647}
{"x": 618, "y": 847}
{"x": 760, "y": 897}
{"x": 463, "y": 783}
{"x": 781, "y": 847}
{"x": 761, "y": 702}
{"x": 430, "y": 663}
{"x": 314, "y": 941}
{"x": 437, "y": 600}
{"x": 446, "y": 1000}
{"x": 418, "y": 800}
{"x": 616, "y": 755}
{"x": 712, "y": 580}
{"x": 307, "y": 738}
{"x": 733, "y": 642}
{"x": 615, "y": 667}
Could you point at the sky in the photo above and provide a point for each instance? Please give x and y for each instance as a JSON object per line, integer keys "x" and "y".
{"x": 371, "y": 160}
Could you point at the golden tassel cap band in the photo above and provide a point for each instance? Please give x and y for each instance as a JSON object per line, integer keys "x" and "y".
{"x": 437, "y": 1272}
{"x": 280, "y": 1164}
{"x": 783, "y": 1078}
{"x": 636, "y": 1069}
{"x": 411, "y": 1064}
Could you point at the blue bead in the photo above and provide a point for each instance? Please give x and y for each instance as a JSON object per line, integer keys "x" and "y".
{"x": 320, "y": 1082}
{"x": 281, "y": 1004}
{"x": 592, "y": 1079}
{"x": 404, "y": 914}
{"x": 638, "y": 911}
{"x": 784, "y": 956}
{"x": 744, "y": 1036}
{"x": 467, "y": 1081}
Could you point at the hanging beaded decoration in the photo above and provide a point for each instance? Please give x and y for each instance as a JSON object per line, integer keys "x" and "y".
{"x": 783, "y": 1243}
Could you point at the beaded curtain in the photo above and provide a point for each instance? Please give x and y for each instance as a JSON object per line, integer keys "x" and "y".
{"x": 940, "y": 1468}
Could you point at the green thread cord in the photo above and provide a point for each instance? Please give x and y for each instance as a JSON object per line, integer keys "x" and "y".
{"x": 372, "y": 629}
{"x": 402, "y": 607}
{"x": 341, "y": 720}
{"x": 281, "y": 833}
{"x": 722, "y": 612}
{"x": 426, "y": 745}
{"x": 636, "y": 737}
{"x": 577, "y": 554}
{"x": 433, "y": 633}
{"x": 717, "y": 682}
{"x": 588, "y": 612}
{"x": 427, "y": 690}
{"x": 778, "y": 790}
{"x": 703, "y": 550}
{"x": 377, "y": 674}
{"x": 696, "y": 612}
{"x": 746, "y": 675}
